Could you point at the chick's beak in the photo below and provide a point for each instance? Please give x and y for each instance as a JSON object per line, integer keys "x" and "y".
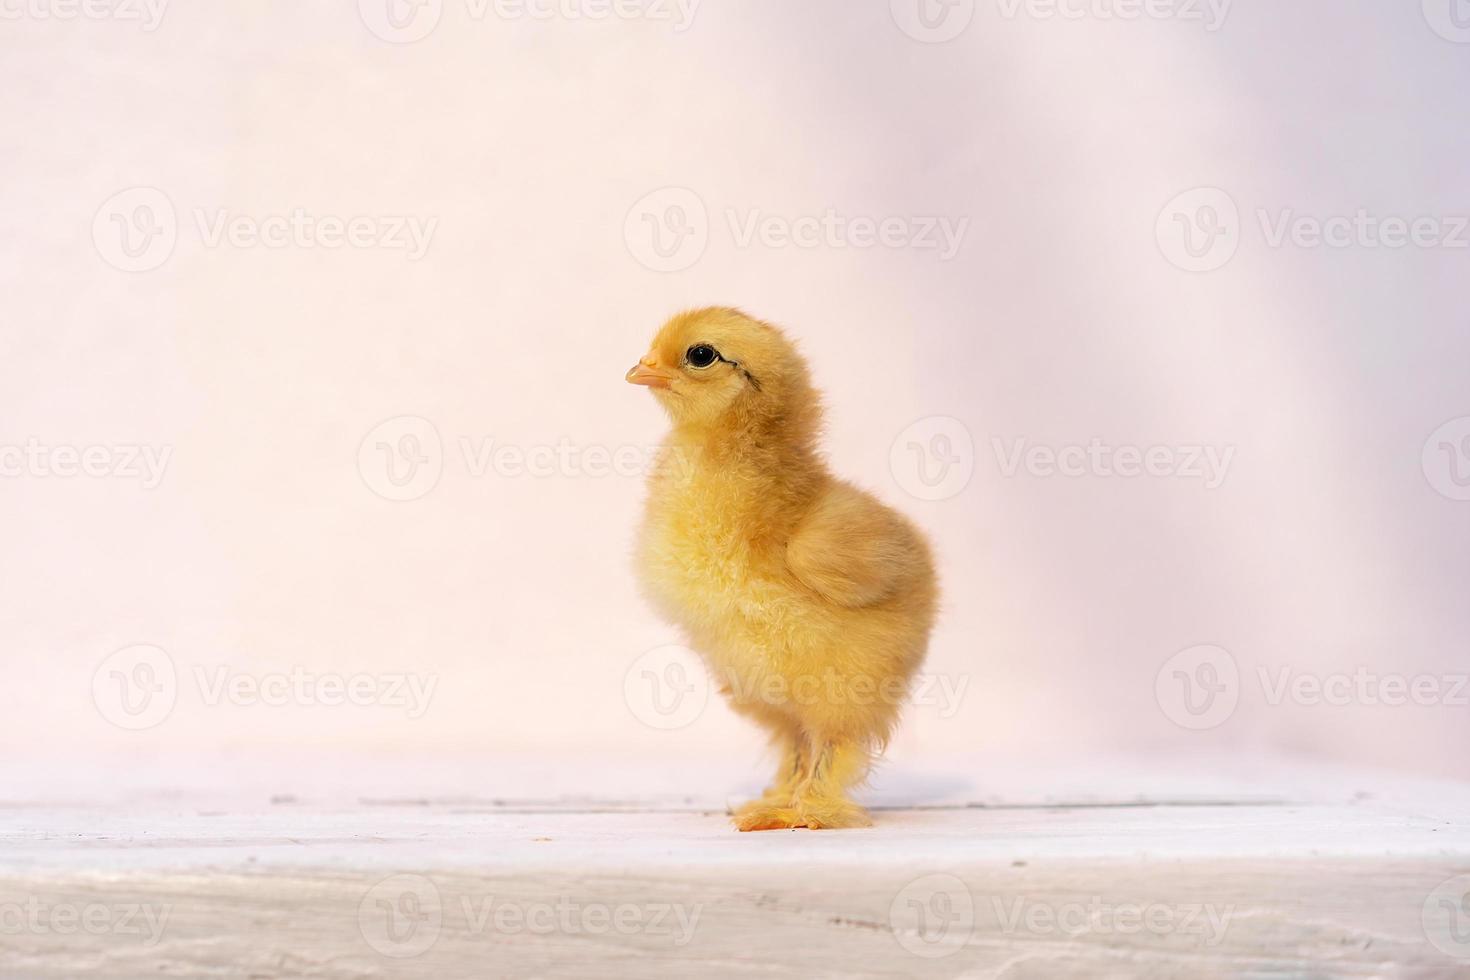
{"x": 647, "y": 373}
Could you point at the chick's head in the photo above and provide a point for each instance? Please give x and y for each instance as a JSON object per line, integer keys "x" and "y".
{"x": 708, "y": 366}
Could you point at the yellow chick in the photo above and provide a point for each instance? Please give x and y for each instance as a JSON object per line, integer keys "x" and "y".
{"x": 809, "y": 600}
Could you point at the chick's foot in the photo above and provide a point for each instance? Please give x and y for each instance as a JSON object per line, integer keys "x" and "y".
{"x": 831, "y": 813}
{"x": 761, "y": 816}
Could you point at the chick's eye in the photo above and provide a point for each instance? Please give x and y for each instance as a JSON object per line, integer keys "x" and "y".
{"x": 701, "y": 355}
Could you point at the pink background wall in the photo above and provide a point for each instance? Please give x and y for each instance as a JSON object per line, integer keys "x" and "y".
{"x": 538, "y": 156}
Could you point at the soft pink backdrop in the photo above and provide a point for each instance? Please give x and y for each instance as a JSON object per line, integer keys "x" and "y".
{"x": 1061, "y": 319}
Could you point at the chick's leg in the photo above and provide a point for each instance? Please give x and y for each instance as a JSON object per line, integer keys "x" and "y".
{"x": 832, "y": 768}
{"x": 773, "y": 810}
{"x": 793, "y": 767}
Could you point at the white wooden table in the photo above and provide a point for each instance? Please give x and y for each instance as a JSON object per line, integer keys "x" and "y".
{"x": 1297, "y": 873}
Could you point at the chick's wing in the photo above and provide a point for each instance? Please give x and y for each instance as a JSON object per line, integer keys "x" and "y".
{"x": 852, "y": 550}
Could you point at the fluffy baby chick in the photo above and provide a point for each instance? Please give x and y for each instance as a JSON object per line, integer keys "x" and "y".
{"x": 810, "y": 601}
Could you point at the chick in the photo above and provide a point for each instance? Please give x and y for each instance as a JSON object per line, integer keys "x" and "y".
{"x": 809, "y": 600}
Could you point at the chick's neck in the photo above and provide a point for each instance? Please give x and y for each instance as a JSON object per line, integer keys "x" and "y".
{"x": 762, "y": 453}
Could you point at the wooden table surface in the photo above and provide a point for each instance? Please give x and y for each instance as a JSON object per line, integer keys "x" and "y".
{"x": 1297, "y": 873}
